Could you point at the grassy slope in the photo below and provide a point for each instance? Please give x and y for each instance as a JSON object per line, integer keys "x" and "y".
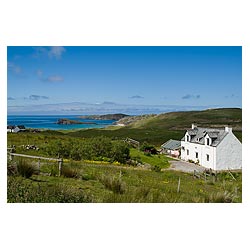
{"x": 138, "y": 186}
{"x": 157, "y": 130}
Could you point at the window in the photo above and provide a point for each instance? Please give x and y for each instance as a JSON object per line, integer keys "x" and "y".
{"x": 196, "y": 154}
{"x": 187, "y": 138}
{"x": 207, "y": 157}
{"x": 187, "y": 152}
{"x": 208, "y": 141}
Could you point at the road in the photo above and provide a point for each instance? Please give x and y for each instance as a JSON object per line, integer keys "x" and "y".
{"x": 185, "y": 166}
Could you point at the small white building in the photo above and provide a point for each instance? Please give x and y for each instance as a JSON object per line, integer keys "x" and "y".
{"x": 16, "y": 129}
{"x": 171, "y": 147}
{"x": 10, "y": 128}
{"x": 218, "y": 149}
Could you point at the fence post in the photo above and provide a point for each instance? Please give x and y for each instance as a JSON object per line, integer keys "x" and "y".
{"x": 10, "y": 157}
{"x": 179, "y": 183}
{"x": 60, "y": 166}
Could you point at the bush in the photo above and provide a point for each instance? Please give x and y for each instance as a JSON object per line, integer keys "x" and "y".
{"x": 69, "y": 172}
{"x": 221, "y": 197}
{"x": 11, "y": 170}
{"x": 120, "y": 152}
{"x": 25, "y": 168}
{"x": 148, "y": 149}
{"x": 113, "y": 183}
{"x": 97, "y": 148}
{"x": 191, "y": 161}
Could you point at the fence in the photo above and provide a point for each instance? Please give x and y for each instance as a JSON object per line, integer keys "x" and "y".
{"x": 207, "y": 174}
{"x": 39, "y": 158}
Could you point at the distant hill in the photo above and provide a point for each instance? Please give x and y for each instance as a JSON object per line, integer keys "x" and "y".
{"x": 115, "y": 117}
{"x": 133, "y": 119}
{"x": 183, "y": 120}
{"x": 157, "y": 129}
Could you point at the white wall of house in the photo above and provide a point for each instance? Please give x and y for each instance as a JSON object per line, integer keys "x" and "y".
{"x": 191, "y": 150}
{"x": 226, "y": 155}
{"x": 175, "y": 153}
{"x": 229, "y": 153}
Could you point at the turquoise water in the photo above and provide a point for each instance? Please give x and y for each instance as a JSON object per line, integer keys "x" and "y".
{"x": 49, "y": 122}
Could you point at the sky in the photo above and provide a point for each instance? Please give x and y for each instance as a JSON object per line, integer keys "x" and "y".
{"x": 127, "y": 79}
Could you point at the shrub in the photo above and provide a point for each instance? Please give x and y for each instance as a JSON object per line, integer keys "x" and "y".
{"x": 25, "y": 169}
{"x": 221, "y": 197}
{"x": 113, "y": 183}
{"x": 149, "y": 149}
{"x": 11, "y": 169}
{"x": 120, "y": 152}
{"x": 69, "y": 172}
{"x": 191, "y": 161}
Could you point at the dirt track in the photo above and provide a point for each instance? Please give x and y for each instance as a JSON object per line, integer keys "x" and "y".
{"x": 185, "y": 166}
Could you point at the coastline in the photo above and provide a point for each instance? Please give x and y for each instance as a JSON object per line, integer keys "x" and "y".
{"x": 48, "y": 122}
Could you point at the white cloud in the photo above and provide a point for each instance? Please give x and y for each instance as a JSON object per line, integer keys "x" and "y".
{"x": 54, "y": 78}
{"x": 14, "y": 68}
{"x": 56, "y": 52}
{"x": 51, "y": 52}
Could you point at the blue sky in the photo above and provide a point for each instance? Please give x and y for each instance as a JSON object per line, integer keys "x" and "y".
{"x": 84, "y": 80}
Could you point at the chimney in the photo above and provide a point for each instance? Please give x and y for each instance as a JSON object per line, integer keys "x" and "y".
{"x": 193, "y": 126}
{"x": 227, "y": 129}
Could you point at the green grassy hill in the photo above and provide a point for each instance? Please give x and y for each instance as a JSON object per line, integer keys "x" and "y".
{"x": 160, "y": 128}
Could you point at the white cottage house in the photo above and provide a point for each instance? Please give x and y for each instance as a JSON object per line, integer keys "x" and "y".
{"x": 218, "y": 149}
{"x": 15, "y": 129}
{"x": 19, "y": 128}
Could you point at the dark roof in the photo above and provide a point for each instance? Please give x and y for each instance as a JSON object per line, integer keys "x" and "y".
{"x": 10, "y": 127}
{"x": 21, "y": 126}
{"x": 198, "y": 135}
{"x": 171, "y": 144}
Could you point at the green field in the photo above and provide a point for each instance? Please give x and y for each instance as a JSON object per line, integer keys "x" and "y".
{"x": 107, "y": 183}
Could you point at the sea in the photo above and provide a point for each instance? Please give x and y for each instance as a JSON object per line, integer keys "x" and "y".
{"x": 49, "y": 122}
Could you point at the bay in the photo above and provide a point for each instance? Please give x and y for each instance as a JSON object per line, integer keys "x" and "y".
{"x": 49, "y": 122}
